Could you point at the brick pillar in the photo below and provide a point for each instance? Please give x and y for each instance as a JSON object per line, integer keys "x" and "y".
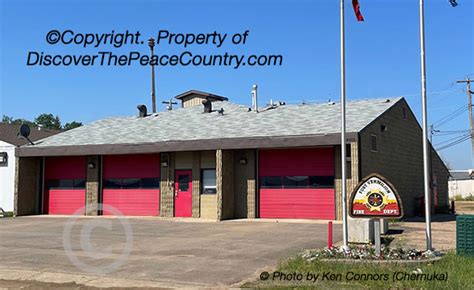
{"x": 196, "y": 198}
{"x": 352, "y": 176}
{"x": 93, "y": 184}
{"x": 251, "y": 185}
{"x": 27, "y": 185}
{"x": 225, "y": 184}
{"x": 167, "y": 185}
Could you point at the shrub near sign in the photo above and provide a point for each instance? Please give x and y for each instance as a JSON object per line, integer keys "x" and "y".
{"x": 375, "y": 197}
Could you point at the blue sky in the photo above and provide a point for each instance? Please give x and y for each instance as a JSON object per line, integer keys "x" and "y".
{"x": 382, "y": 55}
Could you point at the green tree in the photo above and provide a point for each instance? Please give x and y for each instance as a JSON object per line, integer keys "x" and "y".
{"x": 48, "y": 121}
{"x": 72, "y": 125}
{"x": 7, "y": 119}
{"x": 10, "y": 120}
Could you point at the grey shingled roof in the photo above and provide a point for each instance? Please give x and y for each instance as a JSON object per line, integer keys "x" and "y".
{"x": 460, "y": 175}
{"x": 237, "y": 122}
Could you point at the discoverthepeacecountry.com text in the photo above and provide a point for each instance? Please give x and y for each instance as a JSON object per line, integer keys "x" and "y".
{"x": 184, "y": 56}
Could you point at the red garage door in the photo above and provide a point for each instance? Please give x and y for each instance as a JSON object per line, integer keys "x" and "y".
{"x": 65, "y": 181}
{"x": 297, "y": 183}
{"x": 132, "y": 184}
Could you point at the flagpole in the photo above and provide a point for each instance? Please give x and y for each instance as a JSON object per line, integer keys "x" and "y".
{"x": 343, "y": 131}
{"x": 425, "y": 130}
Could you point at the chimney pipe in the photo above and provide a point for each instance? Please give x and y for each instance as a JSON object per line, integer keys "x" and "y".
{"x": 254, "y": 98}
{"x": 142, "y": 111}
{"x": 207, "y": 105}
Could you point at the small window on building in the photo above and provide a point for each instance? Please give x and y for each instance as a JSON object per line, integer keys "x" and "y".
{"x": 79, "y": 183}
{"x": 295, "y": 182}
{"x": 373, "y": 143}
{"x": 271, "y": 182}
{"x": 209, "y": 181}
{"x": 113, "y": 183}
{"x": 183, "y": 182}
{"x": 150, "y": 183}
{"x": 3, "y": 159}
{"x": 405, "y": 113}
{"x": 131, "y": 183}
{"x": 321, "y": 182}
{"x": 60, "y": 184}
{"x": 66, "y": 183}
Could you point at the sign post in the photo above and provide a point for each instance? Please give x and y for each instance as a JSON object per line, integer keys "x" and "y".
{"x": 375, "y": 198}
{"x": 377, "y": 236}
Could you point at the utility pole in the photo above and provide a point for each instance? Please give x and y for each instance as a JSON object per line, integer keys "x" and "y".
{"x": 469, "y": 100}
{"x": 151, "y": 44}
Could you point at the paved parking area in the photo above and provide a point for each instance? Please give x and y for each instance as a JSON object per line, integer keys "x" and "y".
{"x": 171, "y": 253}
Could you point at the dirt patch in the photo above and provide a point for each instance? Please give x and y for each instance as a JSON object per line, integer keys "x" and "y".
{"x": 464, "y": 207}
{"x": 23, "y": 284}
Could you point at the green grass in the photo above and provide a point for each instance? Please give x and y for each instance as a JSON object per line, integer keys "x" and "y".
{"x": 469, "y": 197}
{"x": 8, "y": 214}
{"x": 460, "y": 271}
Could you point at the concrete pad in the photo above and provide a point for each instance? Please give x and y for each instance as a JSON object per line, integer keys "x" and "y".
{"x": 62, "y": 278}
{"x": 165, "y": 253}
{"x": 15, "y": 274}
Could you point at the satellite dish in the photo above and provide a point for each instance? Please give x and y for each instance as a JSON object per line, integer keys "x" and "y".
{"x": 25, "y": 130}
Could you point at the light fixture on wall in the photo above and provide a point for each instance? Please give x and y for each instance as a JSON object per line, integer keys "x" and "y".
{"x": 91, "y": 165}
{"x": 164, "y": 160}
{"x": 243, "y": 161}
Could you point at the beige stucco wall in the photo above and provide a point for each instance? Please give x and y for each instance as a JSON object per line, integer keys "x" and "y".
{"x": 208, "y": 202}
{"x": 461, "y": 188}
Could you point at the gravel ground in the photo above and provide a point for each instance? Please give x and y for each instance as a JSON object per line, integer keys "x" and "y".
{"x": 8, "y": 284}
{"x": 411, "y": 232}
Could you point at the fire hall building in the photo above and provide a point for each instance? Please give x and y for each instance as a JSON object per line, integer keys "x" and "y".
{"x": 214, "y": 159}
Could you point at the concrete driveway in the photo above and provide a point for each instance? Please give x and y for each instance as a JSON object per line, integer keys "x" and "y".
{"x": 164, "y": 253}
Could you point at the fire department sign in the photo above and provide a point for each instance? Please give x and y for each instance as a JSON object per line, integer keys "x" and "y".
{"x": 375, "y": 197}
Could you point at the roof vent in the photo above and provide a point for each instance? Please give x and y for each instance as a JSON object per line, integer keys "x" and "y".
{"x": 254, "y": 98}
{"x": 207, "y": 105}
{"x": 142, "y": 111}
{"x": 387, "y": 101}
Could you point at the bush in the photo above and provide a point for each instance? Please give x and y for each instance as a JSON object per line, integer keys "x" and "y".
{"x": 458, "y": 197}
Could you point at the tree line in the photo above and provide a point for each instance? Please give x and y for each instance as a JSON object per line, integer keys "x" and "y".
{"x": 48, "y": 121}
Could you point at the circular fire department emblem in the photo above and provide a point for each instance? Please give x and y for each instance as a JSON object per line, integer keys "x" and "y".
{"x": 375, "y": 197}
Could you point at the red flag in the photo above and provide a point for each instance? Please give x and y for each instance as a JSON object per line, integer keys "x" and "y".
{"x": 355, "y": 4}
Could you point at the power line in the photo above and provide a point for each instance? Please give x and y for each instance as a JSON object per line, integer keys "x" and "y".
{"x": 451, "y": 116}
{"x": 460, "y": 140}
{"x": 453, "y": 132}
{"x": 452, "y": 139}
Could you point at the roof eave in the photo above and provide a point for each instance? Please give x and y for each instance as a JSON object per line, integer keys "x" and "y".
{"x": 189, "y": 145}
